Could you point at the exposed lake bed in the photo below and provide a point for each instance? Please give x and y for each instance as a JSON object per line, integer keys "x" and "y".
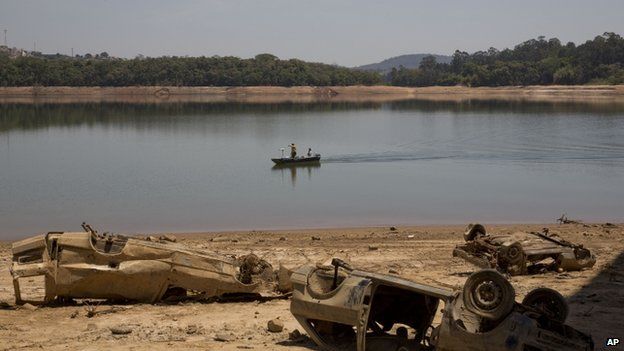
{"x": 418, "y": 253}
{"x": 609, "y": 94}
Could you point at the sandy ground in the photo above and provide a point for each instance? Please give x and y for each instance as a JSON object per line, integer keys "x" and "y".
{"x": 266, "y": 94}
{"x": 423, "y": 254}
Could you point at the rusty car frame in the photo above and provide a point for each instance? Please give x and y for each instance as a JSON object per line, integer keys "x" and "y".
{"x": 345, "y": 309}
{"x": 90, "y": 265}
{"x": 522, "y": 253}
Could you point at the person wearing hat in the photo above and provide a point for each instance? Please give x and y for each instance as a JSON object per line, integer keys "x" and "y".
{"x": 293, "y": 150}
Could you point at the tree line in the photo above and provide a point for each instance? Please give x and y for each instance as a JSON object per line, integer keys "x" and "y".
{"x": 264, "y": 69}
{"x": 533, "y": 62}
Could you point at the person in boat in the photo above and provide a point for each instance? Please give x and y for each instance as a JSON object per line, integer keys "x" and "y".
{"x": 309, "y": 152}
{"x": 293, "y": 150}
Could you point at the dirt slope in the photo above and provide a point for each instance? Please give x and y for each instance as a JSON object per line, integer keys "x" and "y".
{"x": 268, "y": 94}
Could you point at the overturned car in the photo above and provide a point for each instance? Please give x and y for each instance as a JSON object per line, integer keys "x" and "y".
{"x": 105, "y": 266}
{"x": 522, "y": 253}
{"x": 345, "y": 309}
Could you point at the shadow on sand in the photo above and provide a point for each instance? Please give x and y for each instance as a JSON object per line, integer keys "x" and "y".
{"x": 598, "y": 307}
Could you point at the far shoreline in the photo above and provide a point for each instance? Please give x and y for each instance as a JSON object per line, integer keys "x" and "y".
{"x": 308, "y": 94}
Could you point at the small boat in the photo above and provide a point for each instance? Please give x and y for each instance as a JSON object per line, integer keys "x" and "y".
{"x": 297, "y": 160}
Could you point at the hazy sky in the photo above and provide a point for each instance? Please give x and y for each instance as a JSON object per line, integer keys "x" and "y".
{"x": 345, "y": 32}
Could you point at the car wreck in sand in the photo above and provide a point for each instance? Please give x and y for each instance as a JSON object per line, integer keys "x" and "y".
{"x": 345, "y": 309}
{"x": 116, "y": 267}
{"x": 522, "y": 253}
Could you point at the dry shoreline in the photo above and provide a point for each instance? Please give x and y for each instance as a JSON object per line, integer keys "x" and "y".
{"x": 269, "y": 94}
{"x": 419, "y": 253}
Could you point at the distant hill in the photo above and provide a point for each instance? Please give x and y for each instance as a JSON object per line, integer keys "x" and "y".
{"x": 407, "y": 61}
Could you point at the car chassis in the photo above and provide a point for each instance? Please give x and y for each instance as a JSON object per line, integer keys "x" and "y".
{"x": 522, "y": 253}
{"x": 116, "y": 267}
{"x": 345, "y": 309}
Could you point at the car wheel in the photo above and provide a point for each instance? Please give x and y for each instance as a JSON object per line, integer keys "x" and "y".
{"x": 473, "y": 231}
{"x": 489, "y": 295}
{"x": 513, "y": 253}
{"x": 548, "y": 301}
{"x": 511, "y": 258}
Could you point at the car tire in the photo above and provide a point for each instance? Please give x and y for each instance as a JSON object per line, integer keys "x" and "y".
{"x": 489, "y": 295}
{"x": 473, "y": 231}
{"x": 549, "y": 302}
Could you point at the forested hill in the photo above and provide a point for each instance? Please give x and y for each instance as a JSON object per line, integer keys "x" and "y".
{"x": 264, "y": 69}
{"x": 533, "y": 62}
{"x": 407, "y": 61}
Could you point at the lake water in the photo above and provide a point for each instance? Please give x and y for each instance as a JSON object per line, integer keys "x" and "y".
{"x": 204, "y": 167}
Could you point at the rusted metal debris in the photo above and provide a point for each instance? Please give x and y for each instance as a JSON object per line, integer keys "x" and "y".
{"x": 90, "y": 265}
{"x": 565, "y": 220}
{"x": 522, "y": 253}
{"x": 341, "y": 308}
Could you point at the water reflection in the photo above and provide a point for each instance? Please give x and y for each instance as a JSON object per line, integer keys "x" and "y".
{"x": 509, "y": 106}
{"x": 38, "y": 116}
{"x": 292, "y": 170}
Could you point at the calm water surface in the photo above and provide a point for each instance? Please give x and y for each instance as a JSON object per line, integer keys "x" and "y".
{"x": 198, "y": 167}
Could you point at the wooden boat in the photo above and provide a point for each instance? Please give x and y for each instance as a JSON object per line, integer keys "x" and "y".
{"x": 297, "y": 160}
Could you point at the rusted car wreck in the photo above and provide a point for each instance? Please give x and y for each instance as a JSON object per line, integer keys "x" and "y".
{"x": 522, "y": 253}
{"x": 105, "y": 266}
{"x": 345, "y": 309}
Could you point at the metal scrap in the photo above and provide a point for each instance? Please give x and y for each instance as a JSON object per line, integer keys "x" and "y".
{"x": 343, "y": 308}
{"x": 522, "y": 253}
{"x": 90, "y": 265}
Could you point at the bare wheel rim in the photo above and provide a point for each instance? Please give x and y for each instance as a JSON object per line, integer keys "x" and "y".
{"x": 514, "y": 252}
{"x": 488, "y": 295}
